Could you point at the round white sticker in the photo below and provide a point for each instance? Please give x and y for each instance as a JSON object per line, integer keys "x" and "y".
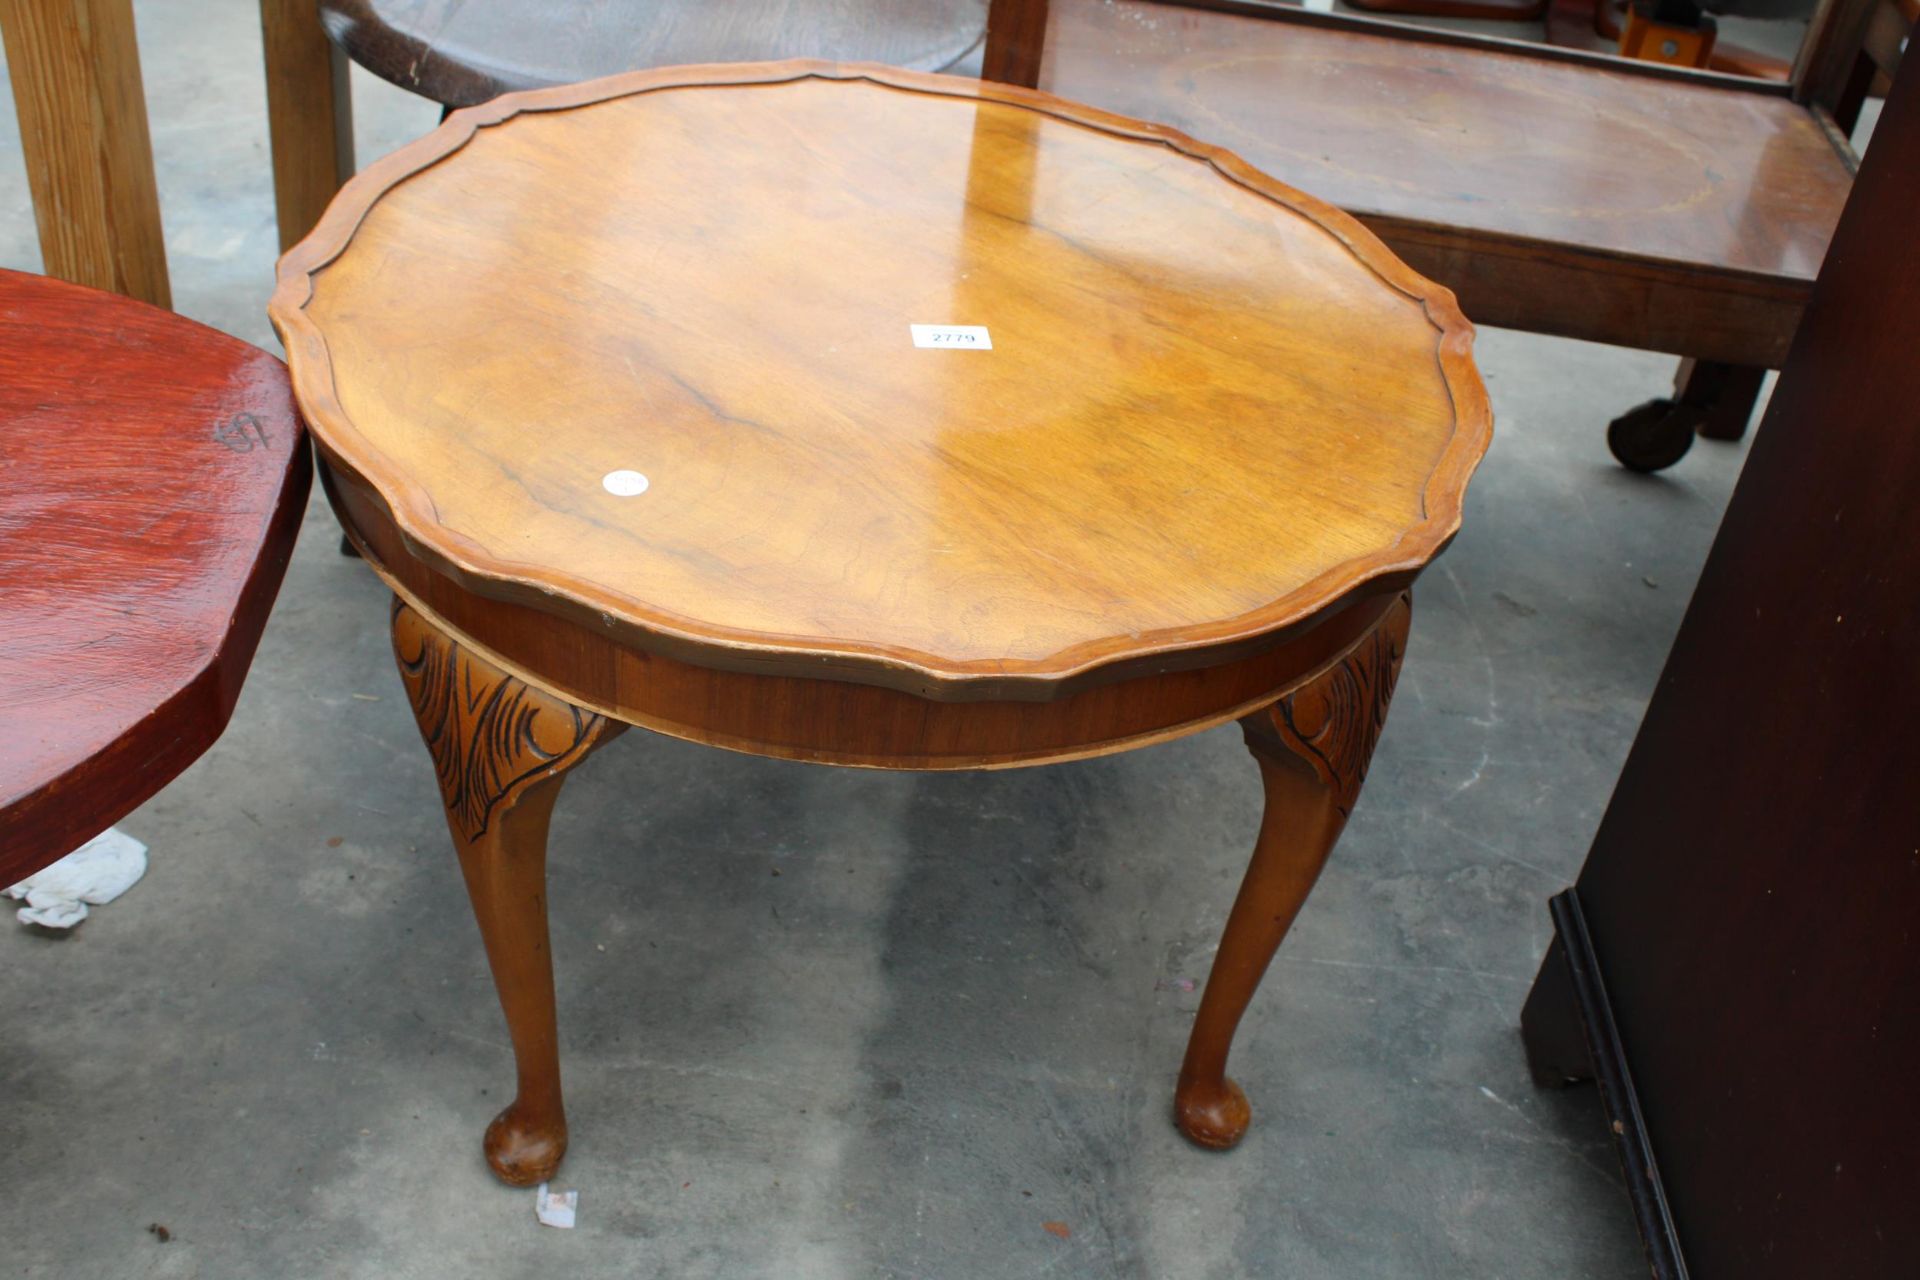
{"x": 624, "y": 484}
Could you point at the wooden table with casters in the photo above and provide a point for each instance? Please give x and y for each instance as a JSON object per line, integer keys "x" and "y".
{"x": 866, "y": 417}
{"x": 152, "y": 478}
{"x": 1554, "y": 190}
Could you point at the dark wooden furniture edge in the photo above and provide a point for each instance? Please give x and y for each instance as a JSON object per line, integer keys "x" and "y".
{"x": 1402, "y": 29}
{"x": 1514, "y": 283}
{"x": 1826, "y": 71}
{"x": 1717, "y": 313}
{"x": 1571, "y": 993}
{"x": 1677, "y": 271}
{"x": 1842, "y": 143}
{"x": 928, "y": 675}
{"x": 1752, "y": 886}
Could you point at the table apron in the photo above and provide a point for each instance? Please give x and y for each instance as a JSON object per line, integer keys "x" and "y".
{"x": 831, "y": 721}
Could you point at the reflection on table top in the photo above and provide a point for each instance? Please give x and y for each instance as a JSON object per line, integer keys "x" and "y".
{"x": 1207, "y": 408}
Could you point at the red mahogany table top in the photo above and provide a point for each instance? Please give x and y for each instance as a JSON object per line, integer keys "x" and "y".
{"x": 152, "y": 477}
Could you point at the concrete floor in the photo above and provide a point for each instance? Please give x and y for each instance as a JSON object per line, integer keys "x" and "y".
{"x": 835, "y": 1023}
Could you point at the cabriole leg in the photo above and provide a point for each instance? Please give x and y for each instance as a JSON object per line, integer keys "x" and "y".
{"x": 502, "y": 749}
{"x": 1312, "y": 747}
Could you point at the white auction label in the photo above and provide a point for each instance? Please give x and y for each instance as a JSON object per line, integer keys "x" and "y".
{"x": 624, "y": 484}
{"x": 952, "y": 337}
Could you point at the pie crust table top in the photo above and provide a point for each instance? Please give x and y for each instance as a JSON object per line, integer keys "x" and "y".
{"x": 918, "y": 381}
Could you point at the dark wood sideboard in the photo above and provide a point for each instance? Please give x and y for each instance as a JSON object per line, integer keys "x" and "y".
{"x": 1739, "y": 962}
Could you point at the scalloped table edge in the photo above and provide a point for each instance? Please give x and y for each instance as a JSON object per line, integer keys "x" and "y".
{"x": 927, "y": 674}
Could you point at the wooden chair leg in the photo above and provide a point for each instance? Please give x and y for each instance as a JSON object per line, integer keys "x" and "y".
{"x": 1312, "y": 747}
{"x": 1016, "y": 37}
{"x": 502, "y": 749}
{"x": 309, "y": 115}
{"x": 83, "y": 134}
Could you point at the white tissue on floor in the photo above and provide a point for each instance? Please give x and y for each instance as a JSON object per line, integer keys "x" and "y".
{"x": 98, "y": 872}
{"x": 555, "y": 1208}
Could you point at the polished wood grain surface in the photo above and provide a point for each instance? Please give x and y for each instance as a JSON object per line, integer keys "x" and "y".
{"x": 460, "y": 54}
{"x": 1508, "y": 144}
{"x": 1212, "y": 405}
{"x": 152, "y": 477}
{"x": 75, "y": 69}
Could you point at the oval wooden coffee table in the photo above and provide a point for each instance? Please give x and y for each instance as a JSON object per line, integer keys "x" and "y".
{"x": 872, "y": 418}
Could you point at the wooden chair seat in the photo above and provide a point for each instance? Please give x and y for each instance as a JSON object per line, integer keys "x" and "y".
{"x": 153, "y": 474}
{"x": 460, "y": 54}
{"x": 1554, "y": 192}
